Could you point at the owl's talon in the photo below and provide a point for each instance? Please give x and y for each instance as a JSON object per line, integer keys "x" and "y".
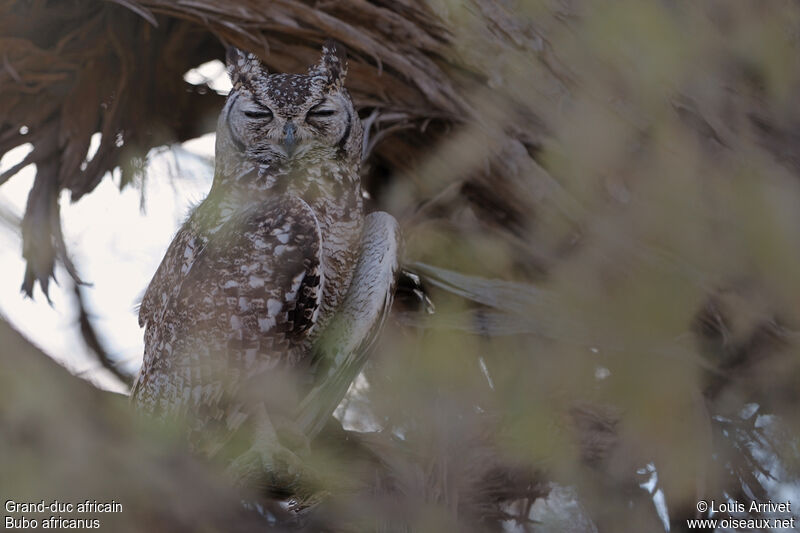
{"x": 275, "y": 464}
{"x": 293, "y": 437}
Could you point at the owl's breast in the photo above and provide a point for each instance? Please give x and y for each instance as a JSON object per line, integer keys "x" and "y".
{"x": 340, "y": 239}
{"x": 340, "y": 255}
{"x": 334, "y": 195}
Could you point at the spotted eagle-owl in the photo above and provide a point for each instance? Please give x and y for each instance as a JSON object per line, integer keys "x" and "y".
{"x": 266, "y": 302}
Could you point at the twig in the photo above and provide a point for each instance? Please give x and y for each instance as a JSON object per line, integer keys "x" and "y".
{"x": 93, "y": 341}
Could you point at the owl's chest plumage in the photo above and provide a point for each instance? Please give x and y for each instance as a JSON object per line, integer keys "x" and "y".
{"x": 333, "y": 196}
{"x": 249, "y": 282}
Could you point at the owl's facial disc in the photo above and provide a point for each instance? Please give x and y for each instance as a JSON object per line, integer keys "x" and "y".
{"x": 274, "y": 118}
{"x": 267, "y": 128}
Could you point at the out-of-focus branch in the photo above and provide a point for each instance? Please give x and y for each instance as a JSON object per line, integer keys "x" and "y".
{"x": 61, "y": 438}
{"x": 94, "y": 343}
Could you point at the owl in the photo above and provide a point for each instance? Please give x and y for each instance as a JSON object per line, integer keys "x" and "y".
{"x": 269, "y": 297}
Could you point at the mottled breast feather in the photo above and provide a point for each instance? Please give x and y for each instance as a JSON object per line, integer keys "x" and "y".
{"x": 246, "y": 303}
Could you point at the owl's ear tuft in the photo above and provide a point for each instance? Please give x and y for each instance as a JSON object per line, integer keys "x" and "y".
{"x": 242, "y": 65}
{"x": 332, "y": 66}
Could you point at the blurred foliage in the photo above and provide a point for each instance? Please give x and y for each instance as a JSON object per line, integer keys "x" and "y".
{"x": 64, "y": 440}
{"x": 605, "y": 214}
{"x": 660, "y": 209}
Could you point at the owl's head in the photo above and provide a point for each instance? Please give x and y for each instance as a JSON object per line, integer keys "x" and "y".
{"x": 278, "y": 118}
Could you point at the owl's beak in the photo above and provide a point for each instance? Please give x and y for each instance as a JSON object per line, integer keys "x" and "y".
{"x": 289, "y": 144}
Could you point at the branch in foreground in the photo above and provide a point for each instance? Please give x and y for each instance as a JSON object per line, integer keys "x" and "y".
{"x": 64, "y": 440}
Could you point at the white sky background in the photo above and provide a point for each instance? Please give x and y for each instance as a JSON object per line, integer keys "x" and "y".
{"x": 116, "y": 240}
{"x": 116, "y": 247}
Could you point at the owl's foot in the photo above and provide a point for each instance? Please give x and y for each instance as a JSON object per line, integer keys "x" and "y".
{"x": 272, "y": 465}
{"x": 294, "y": 460}
{"x": 292, "y": 436}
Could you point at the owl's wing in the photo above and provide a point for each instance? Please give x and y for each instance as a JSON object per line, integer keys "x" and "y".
{"x": 179, "y": 257}
{"x": 346, "y": 343}
{"x": 246, "y": 303}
